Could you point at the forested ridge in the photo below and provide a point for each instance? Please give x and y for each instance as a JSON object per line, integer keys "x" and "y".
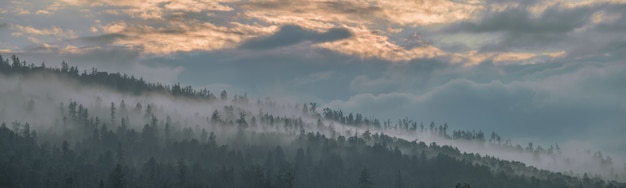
{"x": 237, "y": 142}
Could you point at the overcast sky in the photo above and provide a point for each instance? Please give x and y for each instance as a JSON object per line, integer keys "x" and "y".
{"x": 550, "y": 71}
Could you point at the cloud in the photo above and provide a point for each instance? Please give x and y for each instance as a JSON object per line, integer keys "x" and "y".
{"x": 368, "y": 44}
{"x": 369, "y": 30}
{"x": 155, "y": 9}
{"x": 401, "y": 77}
{"x": 43, "y": 37}
{"x": 515, "y": 110}
{"x": 103, "y": 39}
{"x": 104, "y": 58}
{"x": 520, "y": 20}
{"x": 53, "y": 31}
{"x": 548, "y": 69}
{"x": 372, "y": 23}
{"x": 403, "y": 12}
{"x": 475, "y": 57}
{"x": 182, "y": 35}
{"x": 292, "y": 34}
{"x": 314, "y": 77}
{"x": 611, "y": 21}
{"x": 427, "y": 12}
{"x": 539, "y": 26}
{"x": 304, "y": 70}
{"x": 52, "y": 8}
{"x": 198, "y": 5}
{"x": 559, "y": 102}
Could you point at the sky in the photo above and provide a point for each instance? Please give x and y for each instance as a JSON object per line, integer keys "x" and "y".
{"x": 550, "y": 71}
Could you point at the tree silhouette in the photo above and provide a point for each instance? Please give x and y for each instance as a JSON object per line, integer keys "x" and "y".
{"x": 364, "y": 179}
{"x": 118, "y": 177}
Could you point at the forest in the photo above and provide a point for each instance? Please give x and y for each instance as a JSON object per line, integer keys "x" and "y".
{"x": 63, "y": 127}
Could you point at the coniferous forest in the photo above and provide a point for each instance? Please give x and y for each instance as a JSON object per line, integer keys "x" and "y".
{"x": 63, "y": 127}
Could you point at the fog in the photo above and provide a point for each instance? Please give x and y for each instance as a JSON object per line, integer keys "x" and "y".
{"x": 41, "y": 100}
{"x": 572, "y": 158}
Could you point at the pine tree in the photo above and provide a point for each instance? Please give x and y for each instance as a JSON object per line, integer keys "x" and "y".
{"x": 399, "y": 182}
{"x": 118, "y": 177}
{"x": 364, "y": 179}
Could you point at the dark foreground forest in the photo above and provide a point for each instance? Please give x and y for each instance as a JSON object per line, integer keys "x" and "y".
{"x": 86, "y": 141}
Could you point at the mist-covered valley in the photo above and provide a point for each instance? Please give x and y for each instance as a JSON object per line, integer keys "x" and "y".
{"x": 65, "y": 127}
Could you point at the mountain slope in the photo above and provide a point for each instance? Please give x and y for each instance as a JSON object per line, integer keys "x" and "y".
{"x": 65, "y": 129}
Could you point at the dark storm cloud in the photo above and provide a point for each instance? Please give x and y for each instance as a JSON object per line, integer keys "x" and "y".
{"x": 291, "y": 34}
{"x": 351, "y": 8}
{"x": 3, "y": 25}
{"x": 102, "y": 39}
{"x": 552, "y": 28}
{"x": 269, "y": 4}
{"x": 520, "y": 29}
{"x": 518, "y": 20}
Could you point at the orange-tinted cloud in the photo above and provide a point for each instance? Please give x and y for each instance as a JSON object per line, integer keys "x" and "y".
{"x": 170, "y": 26}
{"x": 154, "y": 9}
{"x": 368, "y": 44}
{"x": 181, "y": 36}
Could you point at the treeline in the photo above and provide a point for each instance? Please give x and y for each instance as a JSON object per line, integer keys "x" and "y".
{"x": 91, "y": 152}
{"x": 441, "y": 130}
{"x": 123, "y": 157}
{"x": 126, "y": 83}
{"x": 140, "y": 145}
{"x": 116, "y": 81}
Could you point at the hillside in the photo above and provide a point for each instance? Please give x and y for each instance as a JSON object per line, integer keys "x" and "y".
{"x": 63, "y": 128}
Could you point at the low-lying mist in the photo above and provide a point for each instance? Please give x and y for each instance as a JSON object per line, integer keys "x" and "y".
{"x": 43, "y": 100}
